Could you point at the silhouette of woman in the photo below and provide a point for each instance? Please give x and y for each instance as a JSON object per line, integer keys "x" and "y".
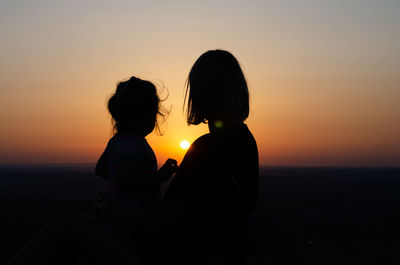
{"x": 200, "y": 219}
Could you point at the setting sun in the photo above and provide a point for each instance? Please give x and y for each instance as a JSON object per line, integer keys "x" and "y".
{"x": 184, "y": 144}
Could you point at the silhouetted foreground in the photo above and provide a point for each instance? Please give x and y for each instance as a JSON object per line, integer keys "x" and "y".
{"x": 304, "y": 215}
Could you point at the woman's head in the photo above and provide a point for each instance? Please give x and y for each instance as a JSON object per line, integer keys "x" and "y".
{"x": 134, "y": 106}
{"x": 216, "y": 89}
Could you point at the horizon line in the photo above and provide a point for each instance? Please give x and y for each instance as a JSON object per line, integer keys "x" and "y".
{"x": 81, "y": 164}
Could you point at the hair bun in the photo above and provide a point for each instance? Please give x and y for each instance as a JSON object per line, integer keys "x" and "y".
{"x": 134, "y": 79}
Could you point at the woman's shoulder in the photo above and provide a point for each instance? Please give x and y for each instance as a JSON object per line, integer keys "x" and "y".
{"x": 237, "y": 134}
{"x": 202, "y": 145}
{"x": 205, "y": 138}
{"x": 198, "y": 151}
{"x": 222, "y": 144}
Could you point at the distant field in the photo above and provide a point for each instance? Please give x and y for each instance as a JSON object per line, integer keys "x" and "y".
{"x": 304, "y": 215}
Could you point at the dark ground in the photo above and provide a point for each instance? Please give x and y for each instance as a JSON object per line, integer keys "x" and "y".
{"x": 304, "y": 215}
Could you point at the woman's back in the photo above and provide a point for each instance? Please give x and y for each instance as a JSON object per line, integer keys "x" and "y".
{"x": 219, "y": 177}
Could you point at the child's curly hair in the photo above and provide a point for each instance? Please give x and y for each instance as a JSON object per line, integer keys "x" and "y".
{"x": 135, "y": 107}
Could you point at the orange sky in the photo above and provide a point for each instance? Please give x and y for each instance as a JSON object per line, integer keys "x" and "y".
{"x": 324, "y": 78}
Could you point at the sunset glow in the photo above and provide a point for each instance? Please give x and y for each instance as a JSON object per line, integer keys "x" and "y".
{"x": 184, "y": 144}
{"x": 323, "y": 76}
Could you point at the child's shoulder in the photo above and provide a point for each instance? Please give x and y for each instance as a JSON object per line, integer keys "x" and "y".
{"x": 127, "y": 146}
{"x": 128, "y": 139}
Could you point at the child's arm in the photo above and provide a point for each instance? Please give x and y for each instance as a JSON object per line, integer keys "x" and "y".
{"x": 168, "y": 169}
{"x": 132, "y": 176}
{"x": 101, "y": 166}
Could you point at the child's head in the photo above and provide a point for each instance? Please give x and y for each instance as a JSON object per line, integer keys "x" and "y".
{"x": 134, "y": 107}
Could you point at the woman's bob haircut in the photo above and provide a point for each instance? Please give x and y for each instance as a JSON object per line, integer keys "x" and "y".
{"x": 216, "y": 89}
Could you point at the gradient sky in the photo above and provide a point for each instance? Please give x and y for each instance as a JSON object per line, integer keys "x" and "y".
{"x": 324, "y": 76}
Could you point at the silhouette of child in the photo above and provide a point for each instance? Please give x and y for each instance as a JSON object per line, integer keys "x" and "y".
{"x": 128, "y": 162}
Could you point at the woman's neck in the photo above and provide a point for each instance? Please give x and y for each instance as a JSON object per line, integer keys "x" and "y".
{"x": 218, "y": 125}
